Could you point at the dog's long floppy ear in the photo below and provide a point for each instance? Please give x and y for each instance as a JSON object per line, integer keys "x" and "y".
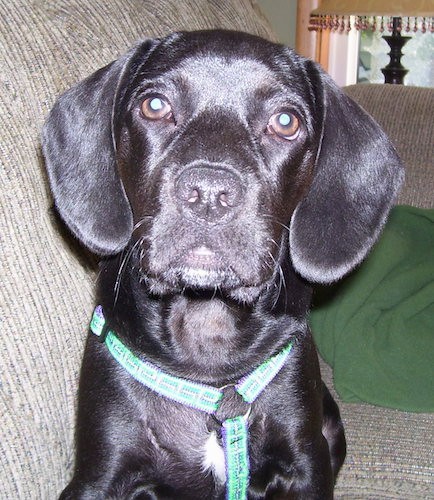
{"x": 79, "y": 154}
{"x": 357, "y": 176}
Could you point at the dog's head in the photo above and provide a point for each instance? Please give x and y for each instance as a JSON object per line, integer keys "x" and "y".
{"x": 211, "y": 156}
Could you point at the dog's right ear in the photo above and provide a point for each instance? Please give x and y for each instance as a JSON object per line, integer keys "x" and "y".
{"x": 77, "y": 142}
{"x": 357, "y": 177}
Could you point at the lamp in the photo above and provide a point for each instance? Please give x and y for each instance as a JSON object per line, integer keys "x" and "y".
{"x": 392, "y": 15}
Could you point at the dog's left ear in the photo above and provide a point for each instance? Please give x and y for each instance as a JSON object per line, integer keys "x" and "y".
{"x": 356, "y": 179}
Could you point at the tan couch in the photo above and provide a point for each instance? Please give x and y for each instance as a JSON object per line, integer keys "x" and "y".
{"x": 46, "y": 295}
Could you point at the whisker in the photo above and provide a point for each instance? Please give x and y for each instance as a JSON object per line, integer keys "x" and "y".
{"x": 282, "y": 278}
{"x": 279, "y": 291}
{"x": 272, "y": 257}
{"x": 141, "y": 222}
{"x": 267, "y": 264}
{"x": 282, "y": 281}
{"x": 287, "y": 228}
{"x": 271, "y": 240}
{"x": 276, "y": 221}
{"x": 214, "y": 295}
{"x": 283, "y": 225}
{"x": 124, "y": 261}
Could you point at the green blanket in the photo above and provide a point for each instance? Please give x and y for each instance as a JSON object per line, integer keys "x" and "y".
{"x": 376, "y": 327}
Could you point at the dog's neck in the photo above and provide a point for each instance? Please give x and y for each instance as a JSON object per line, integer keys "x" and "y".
{"x": 202, "y": 336}
{"x": 202, "y": 329}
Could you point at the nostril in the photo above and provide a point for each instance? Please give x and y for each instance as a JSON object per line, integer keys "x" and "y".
{"x": 194, "y": 196}
{"x": 223, "y": 200}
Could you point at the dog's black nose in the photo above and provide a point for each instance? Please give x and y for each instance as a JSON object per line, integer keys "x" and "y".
{"x": 209, "y": 193}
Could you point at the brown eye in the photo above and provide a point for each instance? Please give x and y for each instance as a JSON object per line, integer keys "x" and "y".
{"x": 285, "y": 125}
{"x": 156, "y": 108}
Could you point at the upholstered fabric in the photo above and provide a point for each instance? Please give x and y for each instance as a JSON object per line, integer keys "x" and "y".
{"x": 46, "y": 297}
{"x": 406, "y": 114}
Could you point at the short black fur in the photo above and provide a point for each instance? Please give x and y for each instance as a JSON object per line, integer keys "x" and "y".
{"x": 212, "y": 224}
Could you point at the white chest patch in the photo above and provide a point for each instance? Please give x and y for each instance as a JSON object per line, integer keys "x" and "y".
{"x": 214, "y": 458}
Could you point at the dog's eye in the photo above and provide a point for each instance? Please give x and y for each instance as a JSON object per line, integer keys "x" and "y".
{"x": 285, "y": 125}
{"x": 156, "y": 108}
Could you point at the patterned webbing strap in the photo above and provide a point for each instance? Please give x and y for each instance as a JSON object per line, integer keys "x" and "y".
{"x": 235, "y": 436}
{"x": 198, "y": 396}
{"x": 201, "y": 397}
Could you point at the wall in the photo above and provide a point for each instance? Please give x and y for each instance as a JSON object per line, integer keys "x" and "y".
{"x": 282, "y": 15}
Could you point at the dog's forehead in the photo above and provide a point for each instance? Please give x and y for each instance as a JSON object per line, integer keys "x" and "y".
{"x": 226, "y": 73}
{"x": 224, "y": 80}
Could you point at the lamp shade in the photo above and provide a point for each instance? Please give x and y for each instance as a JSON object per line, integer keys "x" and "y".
{"x": 373, "y": 14}
{"x": 404, "y": 8}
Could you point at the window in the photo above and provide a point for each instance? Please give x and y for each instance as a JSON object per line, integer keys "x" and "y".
{"x": 418, "y": 58}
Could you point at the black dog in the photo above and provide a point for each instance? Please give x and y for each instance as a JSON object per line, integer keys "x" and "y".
{"x": 218, "y": 174}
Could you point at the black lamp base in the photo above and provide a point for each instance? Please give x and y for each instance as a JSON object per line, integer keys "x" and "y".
{"x": 395, "y": 72}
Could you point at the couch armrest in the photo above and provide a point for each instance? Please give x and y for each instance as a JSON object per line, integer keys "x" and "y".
{"x": 406, "y": 114}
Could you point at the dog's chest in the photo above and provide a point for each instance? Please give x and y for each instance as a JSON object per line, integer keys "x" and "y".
{"x": 181, "y": 442}
{"x": 213, "y": 458}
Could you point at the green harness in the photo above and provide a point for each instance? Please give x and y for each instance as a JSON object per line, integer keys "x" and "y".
{"x": 201, "y": 397}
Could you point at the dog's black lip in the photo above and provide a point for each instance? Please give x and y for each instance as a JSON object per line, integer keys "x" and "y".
{"x": 206, "y": 277}
{"x": 202, "y": 267}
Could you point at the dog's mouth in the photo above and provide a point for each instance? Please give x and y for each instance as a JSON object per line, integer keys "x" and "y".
{"x": 202, "y": 268}
{"x": 202, "y": 258}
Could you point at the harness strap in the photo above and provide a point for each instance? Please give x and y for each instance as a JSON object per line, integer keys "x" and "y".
{"x": 201, "y": 397}
{"x": 235, "y": 445}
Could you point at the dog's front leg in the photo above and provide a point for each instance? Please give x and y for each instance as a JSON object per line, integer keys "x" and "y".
{"x": 310, "y": 478}
{"x": 75, "y": 491}
{"x": 295, "y": 460}
{"x": 107, "y": 435}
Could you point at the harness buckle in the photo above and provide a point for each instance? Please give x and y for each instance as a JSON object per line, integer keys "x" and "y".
{"x": 231, "y": 405}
